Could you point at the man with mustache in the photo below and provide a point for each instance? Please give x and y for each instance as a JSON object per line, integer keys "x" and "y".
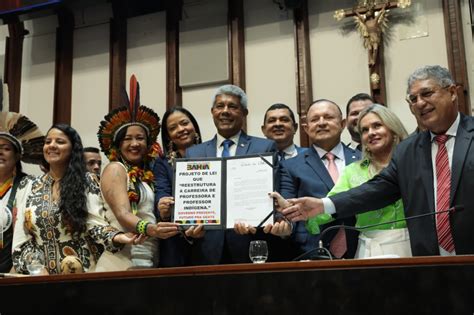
{"x": 314, "y": 172}
{"x": 280, "y": 126}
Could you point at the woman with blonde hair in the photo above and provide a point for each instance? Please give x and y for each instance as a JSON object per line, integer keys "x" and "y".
{"x": 381, "y": 131}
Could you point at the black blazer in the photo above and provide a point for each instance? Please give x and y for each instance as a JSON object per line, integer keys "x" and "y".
{"x": 410, "y": 176}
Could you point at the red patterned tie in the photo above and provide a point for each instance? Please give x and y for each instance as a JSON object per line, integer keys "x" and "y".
{"x": 338, "y": 246}
{"x": 443, "y": 189}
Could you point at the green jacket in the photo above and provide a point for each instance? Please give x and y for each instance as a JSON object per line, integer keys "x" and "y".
{"x": 354, "y": 175}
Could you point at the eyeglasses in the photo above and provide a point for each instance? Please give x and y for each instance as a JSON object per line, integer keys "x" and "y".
{"x": 425, "y": 94}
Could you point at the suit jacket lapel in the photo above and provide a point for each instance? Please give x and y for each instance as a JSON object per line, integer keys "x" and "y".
{"x": 243, "y": 145}
{"x": 211, "y": 150}
{"x": 427, "y": 169}
{"x": 350, "y": 155}
{"x": 461, "y": 147}
{"x": 314, "y": 161}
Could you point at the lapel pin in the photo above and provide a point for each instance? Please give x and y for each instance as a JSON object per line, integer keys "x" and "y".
{"x": 242, "y": 145}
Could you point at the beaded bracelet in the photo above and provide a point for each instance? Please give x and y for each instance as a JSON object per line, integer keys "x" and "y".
{"x": 141, "y": 226}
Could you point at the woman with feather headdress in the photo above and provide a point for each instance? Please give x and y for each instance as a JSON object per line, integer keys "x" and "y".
{"x": 127, "y": 136}
{"x": 20, "y": 140}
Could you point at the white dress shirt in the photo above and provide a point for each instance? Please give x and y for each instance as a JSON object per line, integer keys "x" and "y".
{"x": 232, "y": 148}
{"x": 339, "y": 158}
{"x": 290, "y": 151}
{"x": 451, "y": 132}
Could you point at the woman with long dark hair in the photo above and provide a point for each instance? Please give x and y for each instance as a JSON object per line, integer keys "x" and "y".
{"x": 127, "y": 136}
{"x": 179, "y": 131}
{"x": 59, "y": 213}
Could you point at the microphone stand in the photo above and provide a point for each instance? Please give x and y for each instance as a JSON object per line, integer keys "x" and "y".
{"x": 321, "y": 248}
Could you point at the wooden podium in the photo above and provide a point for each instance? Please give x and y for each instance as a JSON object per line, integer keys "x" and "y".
{"x": 421, "y": 285}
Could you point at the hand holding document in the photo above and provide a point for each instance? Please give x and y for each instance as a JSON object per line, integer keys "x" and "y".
{"x": 224, "y": 192}
{"x": 248, "y": 182}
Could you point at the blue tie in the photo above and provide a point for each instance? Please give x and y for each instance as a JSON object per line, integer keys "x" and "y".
{"x": 226, "y": 144}
{"x": 281, "y": 155}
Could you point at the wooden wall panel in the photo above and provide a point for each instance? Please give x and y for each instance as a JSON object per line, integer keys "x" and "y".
{"x": 63, "y": 71}
{"x": 174, "y": 93}
{"x": 13, "y": 61}
{"x": 118, "y": 54}
{"x": 456, "y": 52}
{"x": 304, "y": 90}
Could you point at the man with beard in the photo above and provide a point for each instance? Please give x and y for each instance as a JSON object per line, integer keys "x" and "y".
{"x": 355, "y": 105}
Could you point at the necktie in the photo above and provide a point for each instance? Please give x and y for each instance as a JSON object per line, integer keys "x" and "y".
{"x": 338, "y": 245}
{"x": 443, "y": 189}
{"x": 226, "y": 144}
{"x": 281, "y": 155}
{"x": 332, "y": 168}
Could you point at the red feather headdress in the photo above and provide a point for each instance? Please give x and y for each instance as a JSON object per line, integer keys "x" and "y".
{"x": 132, "y": 113}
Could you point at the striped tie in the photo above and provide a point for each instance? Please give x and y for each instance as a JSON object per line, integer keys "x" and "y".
{"x": 443, "y": 189}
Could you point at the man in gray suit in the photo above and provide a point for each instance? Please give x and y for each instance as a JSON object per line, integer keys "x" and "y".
{"x": 431, "y": 171}
{"x": 229, "y": 110}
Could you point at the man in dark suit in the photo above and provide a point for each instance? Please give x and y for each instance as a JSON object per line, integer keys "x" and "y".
{"x": 229, "y": 110}
{"x": 431, "y": 171}
{"x": 308, "y": 174}
{"x": 279, "y": 125}
{"x": 355, "y": 105}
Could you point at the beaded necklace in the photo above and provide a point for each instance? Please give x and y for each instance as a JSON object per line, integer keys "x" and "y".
{"x": 137, "y": 175}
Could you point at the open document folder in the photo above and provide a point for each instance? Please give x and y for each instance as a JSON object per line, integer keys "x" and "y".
{"x": 219, "y": 192}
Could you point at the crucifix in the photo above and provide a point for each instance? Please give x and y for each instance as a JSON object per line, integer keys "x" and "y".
{"x": 371, "y": 18}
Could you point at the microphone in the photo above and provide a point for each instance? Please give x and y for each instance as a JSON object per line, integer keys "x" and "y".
{"x": 323, "y": 253}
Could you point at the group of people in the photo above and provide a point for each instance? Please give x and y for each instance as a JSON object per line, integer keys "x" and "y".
{"x": 121, "y": 218}
{"x": 428, "y": 175}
